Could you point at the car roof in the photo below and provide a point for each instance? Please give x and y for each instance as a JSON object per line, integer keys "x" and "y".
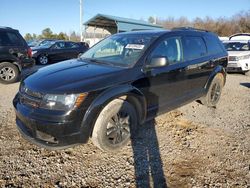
{"x": 3, "y": 28}
{"x": 160, "y": 32}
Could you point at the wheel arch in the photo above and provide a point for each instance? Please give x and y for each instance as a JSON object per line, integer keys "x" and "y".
{"x": 14, "y": 63}
{"x": 218, "y": 69}
{"x": 124, "y": 92}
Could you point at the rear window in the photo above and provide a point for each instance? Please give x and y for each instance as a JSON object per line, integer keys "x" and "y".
{"x": 194, "y": 48}
{"x": 10, "y": 39}
{"x": 213, "y": 45}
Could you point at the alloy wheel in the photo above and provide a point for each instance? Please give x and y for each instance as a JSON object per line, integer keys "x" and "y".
{"x": 7, "y": 73}
{"x": 118, "y": 128}
{"x": 43, "y": 60}
{"x": 215, "y": 93}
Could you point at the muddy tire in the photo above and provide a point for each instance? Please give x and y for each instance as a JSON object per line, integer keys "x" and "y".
{"x": 9, "y": 73}
{"x": 114, "y": 126}
{"x": 214, "y": 92}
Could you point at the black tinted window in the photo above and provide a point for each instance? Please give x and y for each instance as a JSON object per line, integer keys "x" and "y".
{"x": 213, "y": 45}
{"x": 10, "y": 39}
{"x": 71, "y": 45}
{"x": 194, "y": 48}
{"x": 59, "y": 45}
{"x": 171, "y": 48}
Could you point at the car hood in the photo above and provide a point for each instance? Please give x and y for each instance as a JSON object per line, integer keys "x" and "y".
{"x": 238, "y": 53}
{"x": 76, "y": 76}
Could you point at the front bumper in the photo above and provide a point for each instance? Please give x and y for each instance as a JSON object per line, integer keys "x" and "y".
{"x": 49, "y": 130}
{"x": 238, "y": 66}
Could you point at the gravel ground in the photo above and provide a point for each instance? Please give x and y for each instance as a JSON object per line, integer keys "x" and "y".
{"x": 193, "y": 146}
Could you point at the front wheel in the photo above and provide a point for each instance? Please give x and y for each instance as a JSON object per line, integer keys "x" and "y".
{"x": 9, "y": 73}
{"x": 114, "y": 125}
{"x": 214, "y": 91}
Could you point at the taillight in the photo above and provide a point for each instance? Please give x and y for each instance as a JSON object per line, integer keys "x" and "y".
{"x": 29, "y": 52}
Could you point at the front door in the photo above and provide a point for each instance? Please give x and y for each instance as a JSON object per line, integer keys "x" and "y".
{"x": 167, "y": 85}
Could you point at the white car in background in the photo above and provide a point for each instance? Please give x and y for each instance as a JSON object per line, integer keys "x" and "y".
{"x": 238, "y": 55}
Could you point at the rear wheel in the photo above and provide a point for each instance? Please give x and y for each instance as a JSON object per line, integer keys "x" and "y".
{"x": 214, "y": 91}
{"x": 43, "y": 59}
{"x": 114, "y": 125}
{"x": 9, "y": 73}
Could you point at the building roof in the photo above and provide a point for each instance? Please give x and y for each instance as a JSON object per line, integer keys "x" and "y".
{"x": 120, "y": 24}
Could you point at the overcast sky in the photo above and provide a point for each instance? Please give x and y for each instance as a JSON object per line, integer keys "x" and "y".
{"x": 63, "y": 15}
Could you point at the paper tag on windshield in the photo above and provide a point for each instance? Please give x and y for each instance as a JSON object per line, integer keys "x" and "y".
{"x": 135, "y": 46}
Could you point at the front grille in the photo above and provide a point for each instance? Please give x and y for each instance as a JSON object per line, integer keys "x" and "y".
{"x": 27, "y": 91}
{"x": 27, "y": 100}
{"x": 29, "y": 97}
{"x": 232, "y": 58}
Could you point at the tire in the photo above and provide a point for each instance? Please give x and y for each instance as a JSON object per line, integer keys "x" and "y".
{"x": 114, "y": 126}
{"x": 43, "y": 59}
{"x": 9, "y": 73}
{"x": 214, "y": 92}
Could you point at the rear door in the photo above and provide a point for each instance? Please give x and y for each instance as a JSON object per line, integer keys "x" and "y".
{"x": 58, "y": 52}
{"x": 198, "y": 63}
{"x": 73, "y": 49}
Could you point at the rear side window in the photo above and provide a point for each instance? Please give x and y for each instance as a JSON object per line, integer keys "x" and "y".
{"x": 71, "y": 45}
{"x": 194, "y": 48}
{"x": 213, "y": 45}
{"x": 10, "y": 39}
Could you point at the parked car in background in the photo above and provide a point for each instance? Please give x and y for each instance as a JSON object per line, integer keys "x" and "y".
{"x": 15, "y": 55}
{"x": 239, "y": 55}
{"x": 223, "y": 38}
{"x": 240, "y": 36}
{"x": 117, "y": 85}
{"x": 55, "y": 51}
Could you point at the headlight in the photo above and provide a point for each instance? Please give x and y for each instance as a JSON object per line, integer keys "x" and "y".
{"x": 62, "y": 102}
{"x": 242, "y": 57}
{"x": 33, "y": 52}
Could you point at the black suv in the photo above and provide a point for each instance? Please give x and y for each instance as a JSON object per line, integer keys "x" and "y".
{"x": 118, "y": 84}
{"x": 15, "y": 55}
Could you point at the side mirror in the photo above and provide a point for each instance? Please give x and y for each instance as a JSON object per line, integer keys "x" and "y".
{"x": 157, "y": 62}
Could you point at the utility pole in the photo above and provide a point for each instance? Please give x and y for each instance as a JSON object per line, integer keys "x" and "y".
{"x": 81, "y": 24}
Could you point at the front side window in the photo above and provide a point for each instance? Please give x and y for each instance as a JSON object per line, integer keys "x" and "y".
{"x": 194, "y": 48}
{"x": 120, "y": 50}
{"x": 171, "y": 48}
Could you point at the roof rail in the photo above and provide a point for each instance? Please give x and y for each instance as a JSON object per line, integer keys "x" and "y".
{"x": 2, "y": 27}
{"x": 189, "y": 28}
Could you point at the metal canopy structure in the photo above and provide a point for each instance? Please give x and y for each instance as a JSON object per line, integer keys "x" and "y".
{"x": 116, "y": 24}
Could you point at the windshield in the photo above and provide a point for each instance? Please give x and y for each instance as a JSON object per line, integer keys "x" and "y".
{"x": 236, "y": 46}
{"x": 120, "y": 50}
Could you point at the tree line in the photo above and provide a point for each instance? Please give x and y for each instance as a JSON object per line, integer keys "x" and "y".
{"x": 47, "y": 33}
{"x": 223, "y": 26}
